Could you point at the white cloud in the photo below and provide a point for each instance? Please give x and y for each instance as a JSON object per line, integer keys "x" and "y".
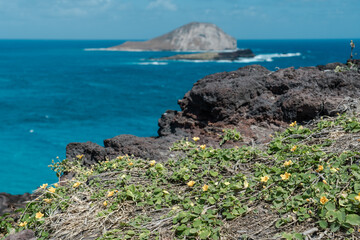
{"x": 164, "y": 4}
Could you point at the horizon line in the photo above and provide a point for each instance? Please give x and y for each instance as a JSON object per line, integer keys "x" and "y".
{"x": 113, "y": 39}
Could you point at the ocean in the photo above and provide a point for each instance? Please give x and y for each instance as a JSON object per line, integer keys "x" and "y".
{"x": 53, "y": 92}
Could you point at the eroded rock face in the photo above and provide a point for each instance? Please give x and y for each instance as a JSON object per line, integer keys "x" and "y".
{"x": 9, "y": 202}
{"x": 256, "y": 100}
{"x": 194, "y": 36}
{"x": 23, "y": 235}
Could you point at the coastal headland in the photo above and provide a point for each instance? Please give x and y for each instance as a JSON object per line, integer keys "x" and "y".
{"x": 222, "y": 155}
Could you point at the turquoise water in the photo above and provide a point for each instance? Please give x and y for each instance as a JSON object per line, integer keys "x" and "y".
{"x": 56, "y": 92}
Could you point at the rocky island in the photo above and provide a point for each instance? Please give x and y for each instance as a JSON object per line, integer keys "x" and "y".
{"x": 217, "y": 169}
{"x": 194, "y": 36}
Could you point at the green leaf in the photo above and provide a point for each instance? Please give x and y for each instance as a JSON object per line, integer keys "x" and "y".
{"x": 353, "y": 219}
{"x": 213, "y": 173}
{"x": 330, "y": 206}
{"x": 334, "y": 227}
{"x": 204, "y": 234}
{"x": 211, "y": 200}
{"x": 323, "y": 224}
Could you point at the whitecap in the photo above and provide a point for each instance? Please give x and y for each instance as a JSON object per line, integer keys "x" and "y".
{"x": 152, "y": 63}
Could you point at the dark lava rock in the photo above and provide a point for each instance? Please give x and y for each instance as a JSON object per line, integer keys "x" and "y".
{"x": 23, "y": 235}
{"x": 213, "y": 56}
{"x": 252, "y": 99}
{"x": 8, "y": 202}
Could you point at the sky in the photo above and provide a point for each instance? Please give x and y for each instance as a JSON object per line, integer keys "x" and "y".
{"x": 145, "y": 19}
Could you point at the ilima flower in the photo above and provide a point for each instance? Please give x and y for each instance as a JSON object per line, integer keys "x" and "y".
{"x": 288, "y": 163}
{"x": 203, "y": 146}
{"x": 293, "y": 124}
{"x": 196, "y": 139}
{"x": 320, "y": 168}
{"x": 39, "y": 215}
{"x": 47, "y": 200}
{"x": 76, "y": 184}
{"x": 111, "y": 193}
{"x": 205, "y": 187}
{"x": 52, "y": 189}
{"x": 131, "y": 163}
{"x": 324, "y": 181}
{"x": 285, "y": 176}
{"x": 293, "y": 148}
{"x": 105, "y": 203}
{"x": 152, "y": 163}
{"x": 56, "y": 185}
{"x": 165, "y": 192}
{"x": 23, "y": 224}
{"x": 191, "y": 183}
{"x": 44, "y": 186}
{"x": 323, "y": 200}
{"x": 80, "y": 156}
{"x": 358, "y": 197}
{"x": 265, "y": 178}
{"x": 246, "y": 184}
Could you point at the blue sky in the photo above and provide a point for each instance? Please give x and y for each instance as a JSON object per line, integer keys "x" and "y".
{"x": 144, "y": 19}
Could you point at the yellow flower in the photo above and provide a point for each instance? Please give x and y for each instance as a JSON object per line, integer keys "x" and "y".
{"x": 52, "y": 189}
{"x": 152, "y": 163}
{"x": 288, "y": 163}
{"x": 111, "y": 193}
{"x": 44, "y": 186}
{"x": 265, "y": 178}
{"x": 308, "y": 200}
{"x": 205, "y": 187}
{"x": 76, "y": 184}
{"x": 293, "y": 148}
{"x": 131, "y": 163}
{"x": 320, "y": 168}
{"x": 56, "y": 185}
{"x": 80, "y": 156}
{"x": 23, "y": 224}
{"x": 196, "y": 139}
{"x": 105, "y": 203}
{"x": 246, "y": 184}
{"x": 285, "y": 176}
{"x": 39, "y": 215}
{"x": 165, "y": 192}
{"x": 357, "y": 198}
{"x": 293, "y": 124}
{"x": 227, "y": 183}
{"x": 191, "y": 183}
{"x": 324, "y": 181}
{"x": 323, "y": 200}
{"x": 47, "y": 200}
{"x": 203, "y": 146}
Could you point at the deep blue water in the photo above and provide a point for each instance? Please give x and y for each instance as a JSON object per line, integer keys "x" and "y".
{"x": 55, "y": 92}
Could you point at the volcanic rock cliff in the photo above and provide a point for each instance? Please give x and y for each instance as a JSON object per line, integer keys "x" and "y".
{"x": 252, "y": 99}
{"x": 194, "y": 36}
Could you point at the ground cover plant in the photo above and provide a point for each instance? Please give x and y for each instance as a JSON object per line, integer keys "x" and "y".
{"x": 304, "y": 183}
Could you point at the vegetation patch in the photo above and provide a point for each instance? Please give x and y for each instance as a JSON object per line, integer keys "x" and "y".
{"x": 304, "y": 183}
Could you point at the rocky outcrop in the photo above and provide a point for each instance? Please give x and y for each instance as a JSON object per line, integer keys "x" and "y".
{"x": 252, "y": 99}
{"x": 194, "y": 36}
{"x": 8, "y": 202}
{"x": 211, "y": 56}
{"x": 23, "y": 235}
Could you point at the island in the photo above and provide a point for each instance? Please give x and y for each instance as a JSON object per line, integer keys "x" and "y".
{"x": 194, "y": 36}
